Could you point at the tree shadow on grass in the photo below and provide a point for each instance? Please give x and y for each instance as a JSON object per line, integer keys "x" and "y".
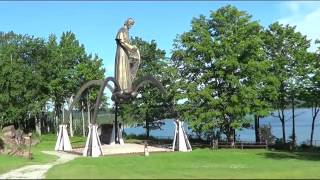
{"x": 280, "y": 155}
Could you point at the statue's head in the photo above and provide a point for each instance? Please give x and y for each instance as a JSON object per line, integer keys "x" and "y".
{"x": 129, "y": 22}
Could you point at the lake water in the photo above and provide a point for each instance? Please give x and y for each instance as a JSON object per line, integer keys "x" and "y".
{"x": 303, "y": 123}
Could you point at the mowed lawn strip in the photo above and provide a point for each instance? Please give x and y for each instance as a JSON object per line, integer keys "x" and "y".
{"x": 200, "y": 163}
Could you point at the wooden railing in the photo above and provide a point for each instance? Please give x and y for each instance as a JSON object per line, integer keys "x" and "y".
{"x": 240, "y": 144}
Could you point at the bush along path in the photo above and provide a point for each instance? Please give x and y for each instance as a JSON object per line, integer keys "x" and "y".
{"x": 38, "y": 171}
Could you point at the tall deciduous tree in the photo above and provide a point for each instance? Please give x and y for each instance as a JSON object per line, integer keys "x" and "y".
{"x": 89, "y": 69}
{"x": 24, "y": 90}
{"x": 148, "y": 108}
{"x": 311, "y": 87}
{"x": 35, "y": 72}
{"x": 221, "y": 61}
{"x": 286, "y": 49}
{"x": 65, "y": 56}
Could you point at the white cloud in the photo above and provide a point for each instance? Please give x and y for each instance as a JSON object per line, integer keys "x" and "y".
{"x": 293, "y": 6}
{"x": 306, "y": 17}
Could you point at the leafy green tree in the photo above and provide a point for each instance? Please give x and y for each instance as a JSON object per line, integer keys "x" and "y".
{"x": 286, "y": 49}
{"x": 25, "y": 92}
{"x": 36, "y": 72}
{"x": 221, "y": 61}
{"x": 65, "y": 57}
{"x": 89, "y": 69}
{"x": 311, "y": 87}
{"x": 266, "y": 95}
{"x": 35, "y": 54}
{"x": 148, "y": 108}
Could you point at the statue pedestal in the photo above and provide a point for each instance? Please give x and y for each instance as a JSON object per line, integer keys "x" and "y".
{"x": 63, "y": 142}
{"x": 113, "y": 139}
{"x": 93, "y": 144}
{"x": 180, "y": 141}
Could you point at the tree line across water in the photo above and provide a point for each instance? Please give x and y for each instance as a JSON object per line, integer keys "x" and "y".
{"x": 226, "y": 67}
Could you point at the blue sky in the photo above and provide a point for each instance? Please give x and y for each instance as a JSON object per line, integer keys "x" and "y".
{"x": 96, "y": 23}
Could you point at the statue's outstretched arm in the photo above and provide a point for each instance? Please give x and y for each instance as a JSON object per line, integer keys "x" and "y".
{"x": 126, "y": 45}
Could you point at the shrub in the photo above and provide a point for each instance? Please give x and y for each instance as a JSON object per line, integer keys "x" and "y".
{"x": 279, "y": 145}
{"x": 266, "y": 134}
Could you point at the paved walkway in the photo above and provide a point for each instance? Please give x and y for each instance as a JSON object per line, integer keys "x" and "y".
{"x": 127, "y": 148}
{"x": 38, "y": 171}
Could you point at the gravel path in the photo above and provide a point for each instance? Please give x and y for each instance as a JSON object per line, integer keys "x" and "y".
{"x": 38, "y": 171}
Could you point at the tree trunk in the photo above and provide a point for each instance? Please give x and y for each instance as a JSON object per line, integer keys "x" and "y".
{"x": 46, "y": 126}
{"x": 315, "y": 112}
{"x": 281, "y": 117}
{"x": 283, "y": 132}
{"x": 70, "y": 128}
{"x": 147, "y": 128}
{"x": 62, "y": 108}
{"x": 229, "y": 134}
{"x": 281, "y": 108}
{"x": 83, "y": 124}
{"x": 147, "y": 125}
{"x": 293, "y": 125}
{"x": 312, "y": 130}
{"x": 57, "y": 116}
{"x": 38, "y": 124}
{"x": 56, "y": 122}
{"x": 70, "y": 118}
{"x": 257, "y": 127}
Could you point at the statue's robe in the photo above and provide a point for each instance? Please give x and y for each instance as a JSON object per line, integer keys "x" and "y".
{"x": 122, "y": 64}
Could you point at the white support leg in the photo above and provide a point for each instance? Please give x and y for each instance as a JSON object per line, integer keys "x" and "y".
{"x": 93, "y": 144}
{"x": 188, "y": 145}
{"x": 63, "y": 142}
{"x": 175, "y": 136}
{"x": 120, "y": 136}
{"x": 180, "y": 140}
{"x": 112, "y": 138}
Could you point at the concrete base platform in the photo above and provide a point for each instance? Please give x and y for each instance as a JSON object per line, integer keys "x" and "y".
{"x": 128, "y": 148}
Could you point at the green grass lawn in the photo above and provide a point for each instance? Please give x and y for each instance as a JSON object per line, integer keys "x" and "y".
{"x": 47, "y": 143}
{"x": 200, "y": 163}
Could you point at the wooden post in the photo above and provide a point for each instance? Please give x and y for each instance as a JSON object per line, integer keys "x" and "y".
{"x": 146, "y": 150}
{"x": 232, "y": 144}
{"x": 30, "y": 142}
